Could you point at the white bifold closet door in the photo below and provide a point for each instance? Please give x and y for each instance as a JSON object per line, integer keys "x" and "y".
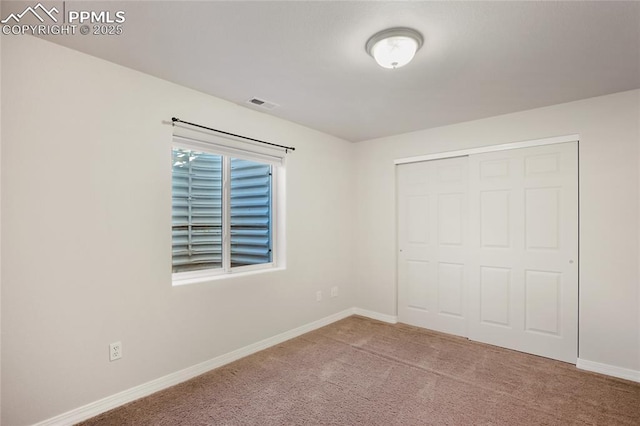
{"x": 488, "y": 248}
{"x": 434, "y": 245}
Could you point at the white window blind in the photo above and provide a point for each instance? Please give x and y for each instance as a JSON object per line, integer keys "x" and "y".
{"x": 196, "y": 210}
{"x": 250, "y": 212}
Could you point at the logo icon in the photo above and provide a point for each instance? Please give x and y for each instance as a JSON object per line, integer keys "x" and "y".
{"x": 34, "y": 11}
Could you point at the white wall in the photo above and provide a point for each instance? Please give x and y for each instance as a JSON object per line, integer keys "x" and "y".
{"x": 86, "y": 242}
{"x": 609, "y": 158}
{"x": 1, "y": 38}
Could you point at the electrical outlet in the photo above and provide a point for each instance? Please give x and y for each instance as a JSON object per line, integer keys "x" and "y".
{"x": 334, "y": 291}
{"x": 115, "y": 351}
{"x": 318, "y": 296}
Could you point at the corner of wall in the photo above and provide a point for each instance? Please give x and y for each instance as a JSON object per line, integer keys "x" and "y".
{"x": 391, "y": 319}
{"x": 638, "y": 169}
{"x": 1, "y": 38}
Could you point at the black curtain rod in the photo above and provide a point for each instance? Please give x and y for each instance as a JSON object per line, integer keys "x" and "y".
{"x": 286, "y": 148}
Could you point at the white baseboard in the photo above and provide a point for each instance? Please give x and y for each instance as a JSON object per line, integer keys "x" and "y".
{"x": 98, "y": 407}
{"x": 609, "y": 370}
{"x": 391, "y": 319}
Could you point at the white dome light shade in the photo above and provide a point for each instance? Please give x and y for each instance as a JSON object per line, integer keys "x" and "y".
{"x": 394, "y": 52}
{"x": 394, "y": 48}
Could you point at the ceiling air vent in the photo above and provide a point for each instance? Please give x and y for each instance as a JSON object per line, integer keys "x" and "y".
{"x": 261, "y": 103}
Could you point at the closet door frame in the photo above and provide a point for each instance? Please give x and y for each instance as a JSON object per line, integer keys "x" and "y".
{"x": 490, "y": 148}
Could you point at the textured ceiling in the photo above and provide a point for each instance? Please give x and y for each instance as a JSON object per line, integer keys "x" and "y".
{"x": 480, "y": 59}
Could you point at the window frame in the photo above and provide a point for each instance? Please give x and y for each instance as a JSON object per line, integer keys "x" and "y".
{"x": 219, "y": 146}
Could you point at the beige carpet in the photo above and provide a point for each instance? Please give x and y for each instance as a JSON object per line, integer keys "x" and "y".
{"x": 363, "y": 372}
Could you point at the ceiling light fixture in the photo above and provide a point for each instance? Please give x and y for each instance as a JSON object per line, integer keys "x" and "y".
{"x": 394, "y": 47}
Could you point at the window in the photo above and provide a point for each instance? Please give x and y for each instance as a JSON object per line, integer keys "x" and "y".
{"x": 223, "y": 210}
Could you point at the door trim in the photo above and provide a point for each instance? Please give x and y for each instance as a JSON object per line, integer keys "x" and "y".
{"x": 489, "y": 148}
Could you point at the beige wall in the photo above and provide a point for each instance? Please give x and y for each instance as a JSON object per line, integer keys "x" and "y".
{"x": 86, "y": 210}
{"x": 1, "y": 38}
{"x": 609, "y": 141}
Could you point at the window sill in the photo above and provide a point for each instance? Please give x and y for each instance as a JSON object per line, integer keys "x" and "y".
{"x": 206, "y": 278}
